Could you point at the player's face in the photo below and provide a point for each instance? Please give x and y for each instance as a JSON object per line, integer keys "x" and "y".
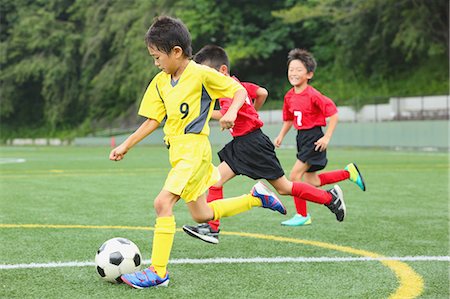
{"x": 298, "y": 75}
{"x": 162, "y": 60}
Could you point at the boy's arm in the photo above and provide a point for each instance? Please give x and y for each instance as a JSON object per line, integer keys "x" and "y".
{"x": 216, "y": 114}
{"x": 227, "y": 120}
{"x": 143, "y": 131}
{"x": 261, "y": 96}
{"x": 322, "y": 143}
{"x": 284, "y": 130}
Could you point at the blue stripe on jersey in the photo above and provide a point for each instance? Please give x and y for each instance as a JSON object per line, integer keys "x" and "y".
{"x": 196, "y": 126}
{"x": 159, "y": 94}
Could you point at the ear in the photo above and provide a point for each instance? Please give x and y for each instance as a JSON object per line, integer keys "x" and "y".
{"x": 309, "y": 75}
{"x": 223, "y": 69}
{"x": 177, "y": 51}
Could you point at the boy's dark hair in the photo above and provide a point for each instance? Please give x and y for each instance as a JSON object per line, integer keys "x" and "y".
{"x": 305, "y": 57}
{"x": 213, "y": 55}
{"x": 165, "y": 33}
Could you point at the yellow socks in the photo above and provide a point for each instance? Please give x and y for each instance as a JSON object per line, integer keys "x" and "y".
{"x": 162, "y": 243}
{"x": 165, "y": 227}
{"x": 232, "y": 206}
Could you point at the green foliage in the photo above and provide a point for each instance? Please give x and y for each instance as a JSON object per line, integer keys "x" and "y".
{"x": 75, "y": 64}
{"x": 377, "y": 47}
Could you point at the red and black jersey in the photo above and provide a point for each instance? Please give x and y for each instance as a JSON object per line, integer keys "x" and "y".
{"x": 307, "y": 109}
{"x": 247, "y": 119}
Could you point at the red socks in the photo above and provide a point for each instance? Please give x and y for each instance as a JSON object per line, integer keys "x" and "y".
{"x": 303, "y": 191}
{"x": 334, "y": 176}
{"x": 214, "y": 193}
{"x": 310, "y": 193}
{"x": 300, "y": 206}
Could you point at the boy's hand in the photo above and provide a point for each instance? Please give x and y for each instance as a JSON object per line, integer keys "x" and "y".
{"x": 277, "y": 141}
{"x": 227, "y": 121}
{"x": 321, "y": 144}
{"x": 118, "y": 153}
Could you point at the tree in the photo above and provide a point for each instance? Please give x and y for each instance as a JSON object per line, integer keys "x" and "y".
{"x": 378, "y": 41}
{"x": 71, "y": 64}
{"x": 39, "y": 70}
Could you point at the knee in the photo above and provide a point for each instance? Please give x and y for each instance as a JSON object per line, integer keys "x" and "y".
{"x": 161, "y": 208}
{"x": 295, "y": 177}
{"x": 308, "y": 180}
{"x": 283, "y": 186}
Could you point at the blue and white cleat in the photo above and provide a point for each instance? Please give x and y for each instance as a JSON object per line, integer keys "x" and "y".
{"x": 145, "y": 279}
{"x": 356, "y": 176}
{"x": 298, "y": 220}
{"x": 268, "y": 199}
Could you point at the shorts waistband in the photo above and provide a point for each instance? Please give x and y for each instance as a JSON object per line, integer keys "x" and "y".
{"x": 255, "y": 132}
{"x": 314, "y": 129}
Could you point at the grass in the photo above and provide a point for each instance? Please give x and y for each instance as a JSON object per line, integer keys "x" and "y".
{"x": 403, "y": 213}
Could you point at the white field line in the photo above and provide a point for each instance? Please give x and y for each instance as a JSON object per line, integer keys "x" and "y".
{"x": 242, "y": 260}
{"x": 11, "y": 160}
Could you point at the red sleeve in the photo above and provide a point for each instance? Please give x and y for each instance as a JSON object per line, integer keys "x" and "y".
{"x": 326, "y": 105}
{"x": 224, "y": 105}
{"x": 287, "y": 114}
{"x": 251, "y": 89}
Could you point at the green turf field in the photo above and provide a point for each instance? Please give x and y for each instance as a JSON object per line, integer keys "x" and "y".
{"x": 74, "y": 195}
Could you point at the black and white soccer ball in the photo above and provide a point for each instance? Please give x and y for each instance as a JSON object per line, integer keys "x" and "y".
{"x": 115, "y": 257}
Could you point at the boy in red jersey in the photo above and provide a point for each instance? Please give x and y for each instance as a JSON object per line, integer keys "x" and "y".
{"x": 307, "y": 109}
{"x": 251, "y": 153}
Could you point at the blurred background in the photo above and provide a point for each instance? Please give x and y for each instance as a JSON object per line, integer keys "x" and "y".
{"x": 78, "y": 68}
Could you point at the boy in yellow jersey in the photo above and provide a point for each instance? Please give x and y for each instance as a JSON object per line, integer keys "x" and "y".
{"x": 184, "y": 94}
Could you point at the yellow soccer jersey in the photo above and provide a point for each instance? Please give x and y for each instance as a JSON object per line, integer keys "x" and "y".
{"x": 187, "y": 105}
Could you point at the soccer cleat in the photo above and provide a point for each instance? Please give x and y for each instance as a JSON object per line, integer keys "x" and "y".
{"x": 268, "y": 199}
{"x": 203, "y": 231}
{"x": 145, "y": 279}
{"x": 337, "y": 204}
{"x": 355, "y": 176}
{"x": 298, "y": 220}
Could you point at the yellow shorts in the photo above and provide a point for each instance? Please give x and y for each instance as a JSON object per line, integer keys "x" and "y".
{"x": 192, "y": 172}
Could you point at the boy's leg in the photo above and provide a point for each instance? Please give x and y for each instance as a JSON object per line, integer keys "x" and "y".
{"x": 202, "y": 211}
{"x": 203, "y": 230}
{"x": 301, "y": 216}
{"x": 333, "y": 198}
{"x": 350, "y": 172}
{"x": 209, "y": 232}
{"x": 284, "y": 187}
{"x": 164, "y": 231}
{"x": 163, "y": 237}
{"x": 216, "y": 191}
{"x": 330, "y": 177}
{"x": 300, "y": 206}
{"x": 260, "y": 196}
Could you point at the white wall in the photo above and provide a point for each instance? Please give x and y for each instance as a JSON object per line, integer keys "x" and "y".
{"x": 397, "y": 108}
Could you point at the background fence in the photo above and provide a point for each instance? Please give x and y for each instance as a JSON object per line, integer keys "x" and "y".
{"x": 415, "y": 122}
{"x": 409, "y": 108}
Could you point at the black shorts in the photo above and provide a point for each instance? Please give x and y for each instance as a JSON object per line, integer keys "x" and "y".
{"x": 252, "y": 155}
{"x": 305, "y": 149}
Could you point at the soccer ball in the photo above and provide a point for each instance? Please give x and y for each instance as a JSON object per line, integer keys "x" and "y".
{"x": 115, "y": 257}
